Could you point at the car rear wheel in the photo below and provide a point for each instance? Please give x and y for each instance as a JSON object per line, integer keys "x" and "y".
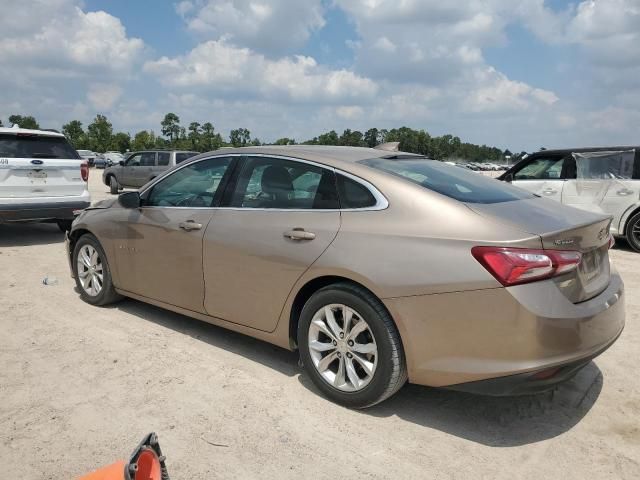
{"x": 633, "y": 232}
{"x": 92, "y": 273}
{"x": 114, "y": 186}
{"x": 350, "y": 346}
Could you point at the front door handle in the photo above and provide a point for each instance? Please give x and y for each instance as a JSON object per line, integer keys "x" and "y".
{"x": 299, "y": 234}
{"x": 625, "y": 192}
{"x": 549, "y": 191}
{"x": 190, "y": 225}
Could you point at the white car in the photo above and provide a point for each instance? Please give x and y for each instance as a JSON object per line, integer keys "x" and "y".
{"x": 42, "y": 178}
{"x": 601, "y": 180}
{"x": 89, "y": 156}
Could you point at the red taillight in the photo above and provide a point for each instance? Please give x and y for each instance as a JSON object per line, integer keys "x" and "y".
{"x": 514, "y": 266}
{"x": 84, "y": 171}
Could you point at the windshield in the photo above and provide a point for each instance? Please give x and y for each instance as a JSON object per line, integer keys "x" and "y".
{"x": 457, "y": 183}
{"x": 35, "y": 146}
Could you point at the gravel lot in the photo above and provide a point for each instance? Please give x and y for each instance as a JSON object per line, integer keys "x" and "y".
{"x": 80, "y": 386}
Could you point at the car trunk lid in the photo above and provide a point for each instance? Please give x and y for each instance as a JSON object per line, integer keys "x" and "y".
{"x": 562, "y": 228}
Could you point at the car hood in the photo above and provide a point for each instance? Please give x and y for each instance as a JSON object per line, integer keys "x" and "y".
{"x": 102, "y": 204}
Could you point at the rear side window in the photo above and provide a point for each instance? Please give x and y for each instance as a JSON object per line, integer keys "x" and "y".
{"x": 163, "y": 159}
{"x": 148, "y": 159}
{"x": 182, "y": 156}
{"x": 36, "y": 146}
{"x": 353, "y": 194}
{"x": 605, "y": 165}
{"x": 457, "y": 183}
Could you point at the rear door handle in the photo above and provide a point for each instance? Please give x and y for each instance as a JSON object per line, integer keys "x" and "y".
{"x": 299, "y": 234}
{"x": 549, "y": 191}
{"x": 624, "y": 192}
{"x": 190, "y": 225}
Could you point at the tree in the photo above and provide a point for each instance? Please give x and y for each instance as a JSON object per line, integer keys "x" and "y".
{"x": 210, "y": 140}
{"x": 75, "y": 134}
{"x": 194, "y": 135}
{"x": 371, "y": 137}
{"x": 240, "y": 137}
{"x": 256, "y": 142}
{"x": 121, "y": 142}
{"x": 351, "y": 139}
{"x": 24, "y": 122}
{"x": 171, "y": 127}
{"x": 285, "y": 141}
{"x": 143, "y": 140}
{"x": 99, "y": 134}
{"x": 329, "y": 138}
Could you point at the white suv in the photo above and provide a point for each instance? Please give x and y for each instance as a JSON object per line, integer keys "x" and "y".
{"x": 42, "y": 178}
{"x": 601, "y": 180}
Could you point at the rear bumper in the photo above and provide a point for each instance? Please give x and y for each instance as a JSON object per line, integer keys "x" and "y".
{"x": 40, "y": 211}
{"x": 517, "y": 332}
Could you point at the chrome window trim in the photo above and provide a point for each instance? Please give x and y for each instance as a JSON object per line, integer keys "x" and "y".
{"x": 381, "y": 201}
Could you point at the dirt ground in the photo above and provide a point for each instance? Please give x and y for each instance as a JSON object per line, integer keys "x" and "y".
{"x": 80, "y": 386}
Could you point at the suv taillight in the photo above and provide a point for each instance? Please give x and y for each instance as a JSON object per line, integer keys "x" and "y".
{"x": 515, "y": 266}
{"x": 84, "y": 171}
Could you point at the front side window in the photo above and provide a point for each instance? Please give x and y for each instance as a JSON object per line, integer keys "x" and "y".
{"x": 193, "y": 186}
{"x": 163, "y": 159}
{"x": 134, "y": 161}
{"x": 284, "y": 184}
{"x": 457, "y": 183}
{"x": 541, "y": 168}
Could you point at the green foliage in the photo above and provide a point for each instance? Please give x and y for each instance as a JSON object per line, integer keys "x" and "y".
{"x": 209, "y": 139}
{"x": 171, "y": 127}
{"x": 285, "y": 141}
{"x": 24, "y": 121}
{"x": 240, "y": 137}
{"x": 143, "y": 140}
{"x": 121, "y": 142}
{"x": 99, "y": 134}
{"x": 75, "y": 134}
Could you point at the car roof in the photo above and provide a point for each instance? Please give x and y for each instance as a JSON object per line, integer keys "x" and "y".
{"x": 564, "y": 151}
{"x": 27, "y": 131}
{"x": 325, "y": 154}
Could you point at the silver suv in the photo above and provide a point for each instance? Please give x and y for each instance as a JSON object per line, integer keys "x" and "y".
{"x": 601, "y": 180}
{"x": 141, "y": 167}
{"x": 42, "y": 178}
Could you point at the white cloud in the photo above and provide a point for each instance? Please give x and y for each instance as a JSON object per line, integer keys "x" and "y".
{"x": 272, "y": 26}
{"x": 349, "y": 112}
{"x": 216, "y": 65}
{"x": 103, "y": 96}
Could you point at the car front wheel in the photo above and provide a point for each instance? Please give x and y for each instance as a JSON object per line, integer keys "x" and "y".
{"x": 350, "y": 346}
{"x": 633, "y": 232}
{"x": 92, "y": 273}
{"x": 114, "y": 186}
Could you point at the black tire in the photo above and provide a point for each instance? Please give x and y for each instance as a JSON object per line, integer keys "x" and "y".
{"x": 391, "y": 371}
{"x": 114, "y": 186}
{"x": 64, "y": 225}
{"x": 107, "y": 294}
{"x": 634, "y": 238}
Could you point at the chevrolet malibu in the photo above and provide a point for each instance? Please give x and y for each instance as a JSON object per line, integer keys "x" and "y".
{"x": 378, "y": 267}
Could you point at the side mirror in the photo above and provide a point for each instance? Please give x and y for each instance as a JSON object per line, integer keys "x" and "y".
{"x": 129, "y": 199}
{"x": 121, "y": 163}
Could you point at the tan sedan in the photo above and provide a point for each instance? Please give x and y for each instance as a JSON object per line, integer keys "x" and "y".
{"x": 378, "y": 267}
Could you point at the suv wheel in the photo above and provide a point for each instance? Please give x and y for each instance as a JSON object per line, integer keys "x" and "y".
{"x": 114, "y": 186}
{"x": 92, "y": 273}
{"x": 350, "y": 346}
{"x": 633, "y": 232}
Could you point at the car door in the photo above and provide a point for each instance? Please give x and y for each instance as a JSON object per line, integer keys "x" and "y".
{"x": 278, "y": 218}
{"x": 542, "y": 175}
{"x": 160, "y": 252}
{"x": 602, "y": 182}
{"x": 128, "y": 170}
{"x": 144, "y": 172}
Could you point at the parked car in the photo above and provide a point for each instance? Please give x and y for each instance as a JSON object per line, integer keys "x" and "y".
{"x": 42, "y": 178}
{"x": 108, "y": 159}
{"x": 89, "y": 156}
{"x": 376, "y": 266}
{"x": 141, "y": 167}
{"x": 604, "y": 180}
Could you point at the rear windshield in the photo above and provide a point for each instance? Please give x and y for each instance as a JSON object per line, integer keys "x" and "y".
{"x": 181, "y": 157}
{"x": 35, "y": 146}
{"x": 460, "y": 184}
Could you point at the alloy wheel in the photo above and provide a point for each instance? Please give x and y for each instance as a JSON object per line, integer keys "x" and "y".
{"x": 90, "y": 271}
{"x": 342, "y": 348}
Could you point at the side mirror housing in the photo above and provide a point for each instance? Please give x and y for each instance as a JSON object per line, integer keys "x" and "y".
{"x": 129, "y": 199}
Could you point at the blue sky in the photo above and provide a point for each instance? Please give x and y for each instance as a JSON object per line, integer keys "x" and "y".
{"x": 513, "y": 74}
